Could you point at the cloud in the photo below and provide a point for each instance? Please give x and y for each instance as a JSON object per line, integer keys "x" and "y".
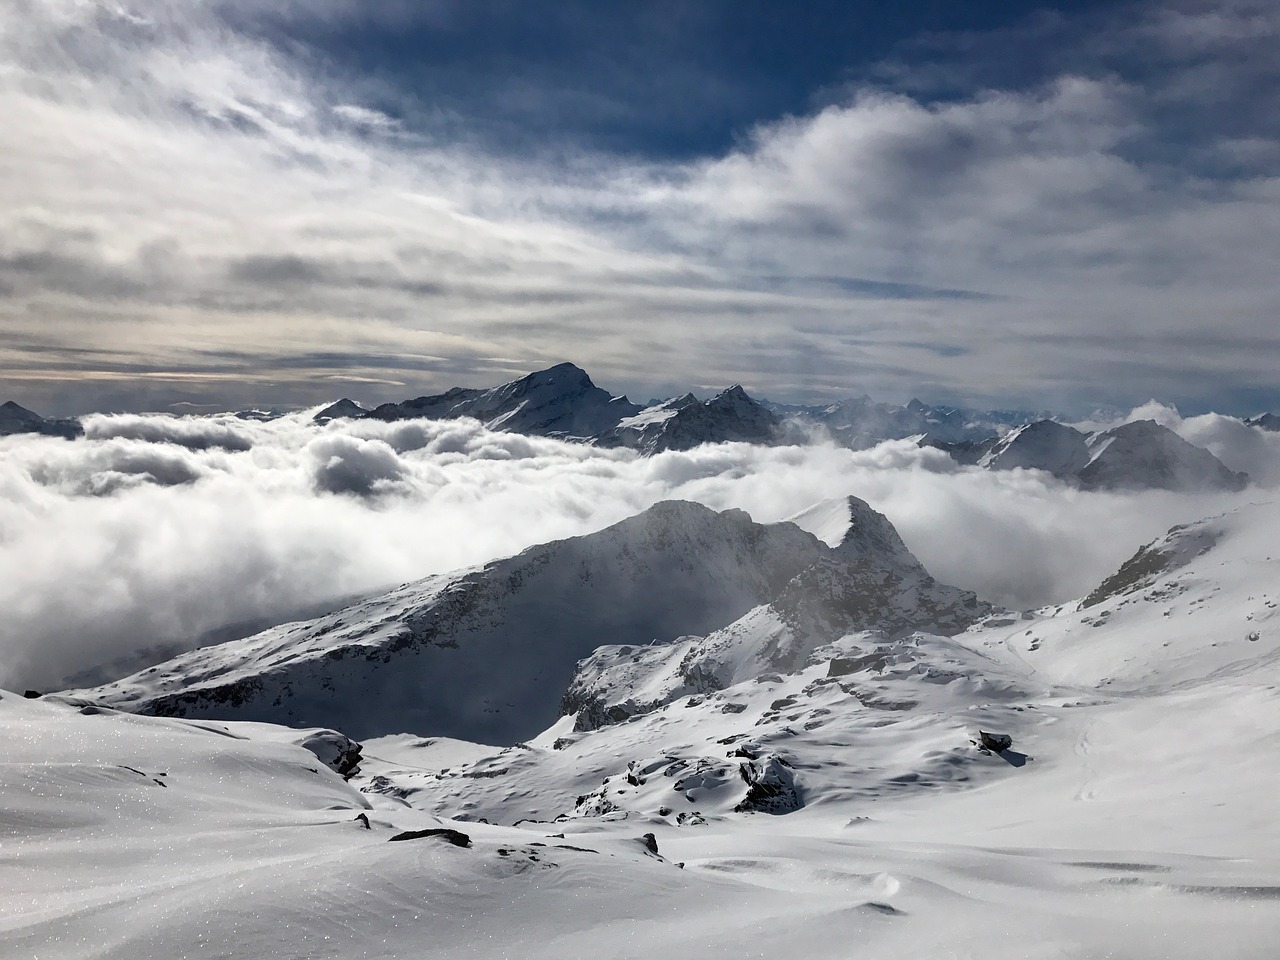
{"x": 352, "y": 465}
{"x": 365, "y": 117}
{"x": 193, "y": 433}
{"x": 204, "y": 183}
{"x": 116, "y": 551}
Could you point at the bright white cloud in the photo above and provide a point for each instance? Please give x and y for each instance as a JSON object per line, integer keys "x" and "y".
{"x": 141, "y": 541}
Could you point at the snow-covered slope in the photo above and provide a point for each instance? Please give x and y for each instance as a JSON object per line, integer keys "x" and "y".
{"x": 838, "y": 806}
{"x": 868, "y": 584}
{"x": 1131, "y": 814}
{"x": 1145, "y": 454}
{"x": 560, "y": 401}
{"x": 484, "y": 654}
{"x": 1042, "y": 445}
{"x": 686, "y": 422}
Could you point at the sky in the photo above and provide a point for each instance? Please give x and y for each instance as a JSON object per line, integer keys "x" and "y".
{"x": 243, "y": 203}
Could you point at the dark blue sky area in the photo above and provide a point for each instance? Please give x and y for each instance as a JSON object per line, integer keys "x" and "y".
{"x": 660, "y": 79}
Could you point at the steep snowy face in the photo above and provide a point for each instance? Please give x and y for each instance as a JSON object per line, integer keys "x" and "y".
{"x": 685, "y": 422}
{"x": 1146, "y": 454}
{"x": 484, "y": 654}
{"x": 869, "y": 583}
{"x": 856, "y": 531}
{"x": 560, "y": 401}
{"x": 1043, "y": 445}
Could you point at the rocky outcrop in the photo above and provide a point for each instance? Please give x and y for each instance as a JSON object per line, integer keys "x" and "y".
{"x": 686, "y": 422}
{"x": 771, "y": 787}
{"x": 335, "y": 750}
{"x": 447, "y": 834}
{"x": 867, "y": 581}
{"x": 17, "y": 419}
{"x": 1174, "y": 550}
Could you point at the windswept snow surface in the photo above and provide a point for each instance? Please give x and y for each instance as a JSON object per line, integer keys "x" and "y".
{"x": 838, "y": 807}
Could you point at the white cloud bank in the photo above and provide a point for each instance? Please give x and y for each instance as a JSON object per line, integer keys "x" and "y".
{"x": 155, "y": 533}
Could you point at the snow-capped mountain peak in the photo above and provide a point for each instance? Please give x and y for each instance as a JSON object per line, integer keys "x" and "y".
{"x": 344, "y": 408}
{"x": 419, "y": 656}
{"x": 686, "y": 422}
{"x": 560, "y": 401}
{"x": 1041, "y": 445}
{"x": 1144, "y": 453}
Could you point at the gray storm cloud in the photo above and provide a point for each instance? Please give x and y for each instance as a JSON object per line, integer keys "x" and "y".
{"x": 117, "y": 550}
{"x": 180, "y": 183}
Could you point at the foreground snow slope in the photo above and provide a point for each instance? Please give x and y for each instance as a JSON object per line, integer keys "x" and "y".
{"x": 835, "y": 807}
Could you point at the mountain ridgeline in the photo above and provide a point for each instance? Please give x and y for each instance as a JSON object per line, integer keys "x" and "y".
{"x": 486, "y": 653}
{"x": 563, "y": 403}
{"x": 17, "y": 419}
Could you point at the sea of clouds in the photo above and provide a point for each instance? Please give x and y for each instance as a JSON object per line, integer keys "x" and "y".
{"x": 154, "y": 534}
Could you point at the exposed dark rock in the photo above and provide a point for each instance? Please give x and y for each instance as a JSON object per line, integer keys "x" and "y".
{"x": 843, "y": 666}
{"x": 968, "y": 452}
{"x": 17, "y": 419}
{"x": 560, "y": 401}
{"x": 337, "y": 751}
{"x": 770, "y": 787}
{"x": 995, "y": 741}
{"x": 33, "y": 694}
{"x": 650, "y": 842}
{"x": 1180, "y": 545}
{"x": 455, "y": 837}
{"x": 730, "y": 416}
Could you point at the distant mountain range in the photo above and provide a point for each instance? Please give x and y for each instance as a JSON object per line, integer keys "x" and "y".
{"x": 1138, "y": 455}
{"x": 562, "y": 402}
{"x": 16, "y": 419}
